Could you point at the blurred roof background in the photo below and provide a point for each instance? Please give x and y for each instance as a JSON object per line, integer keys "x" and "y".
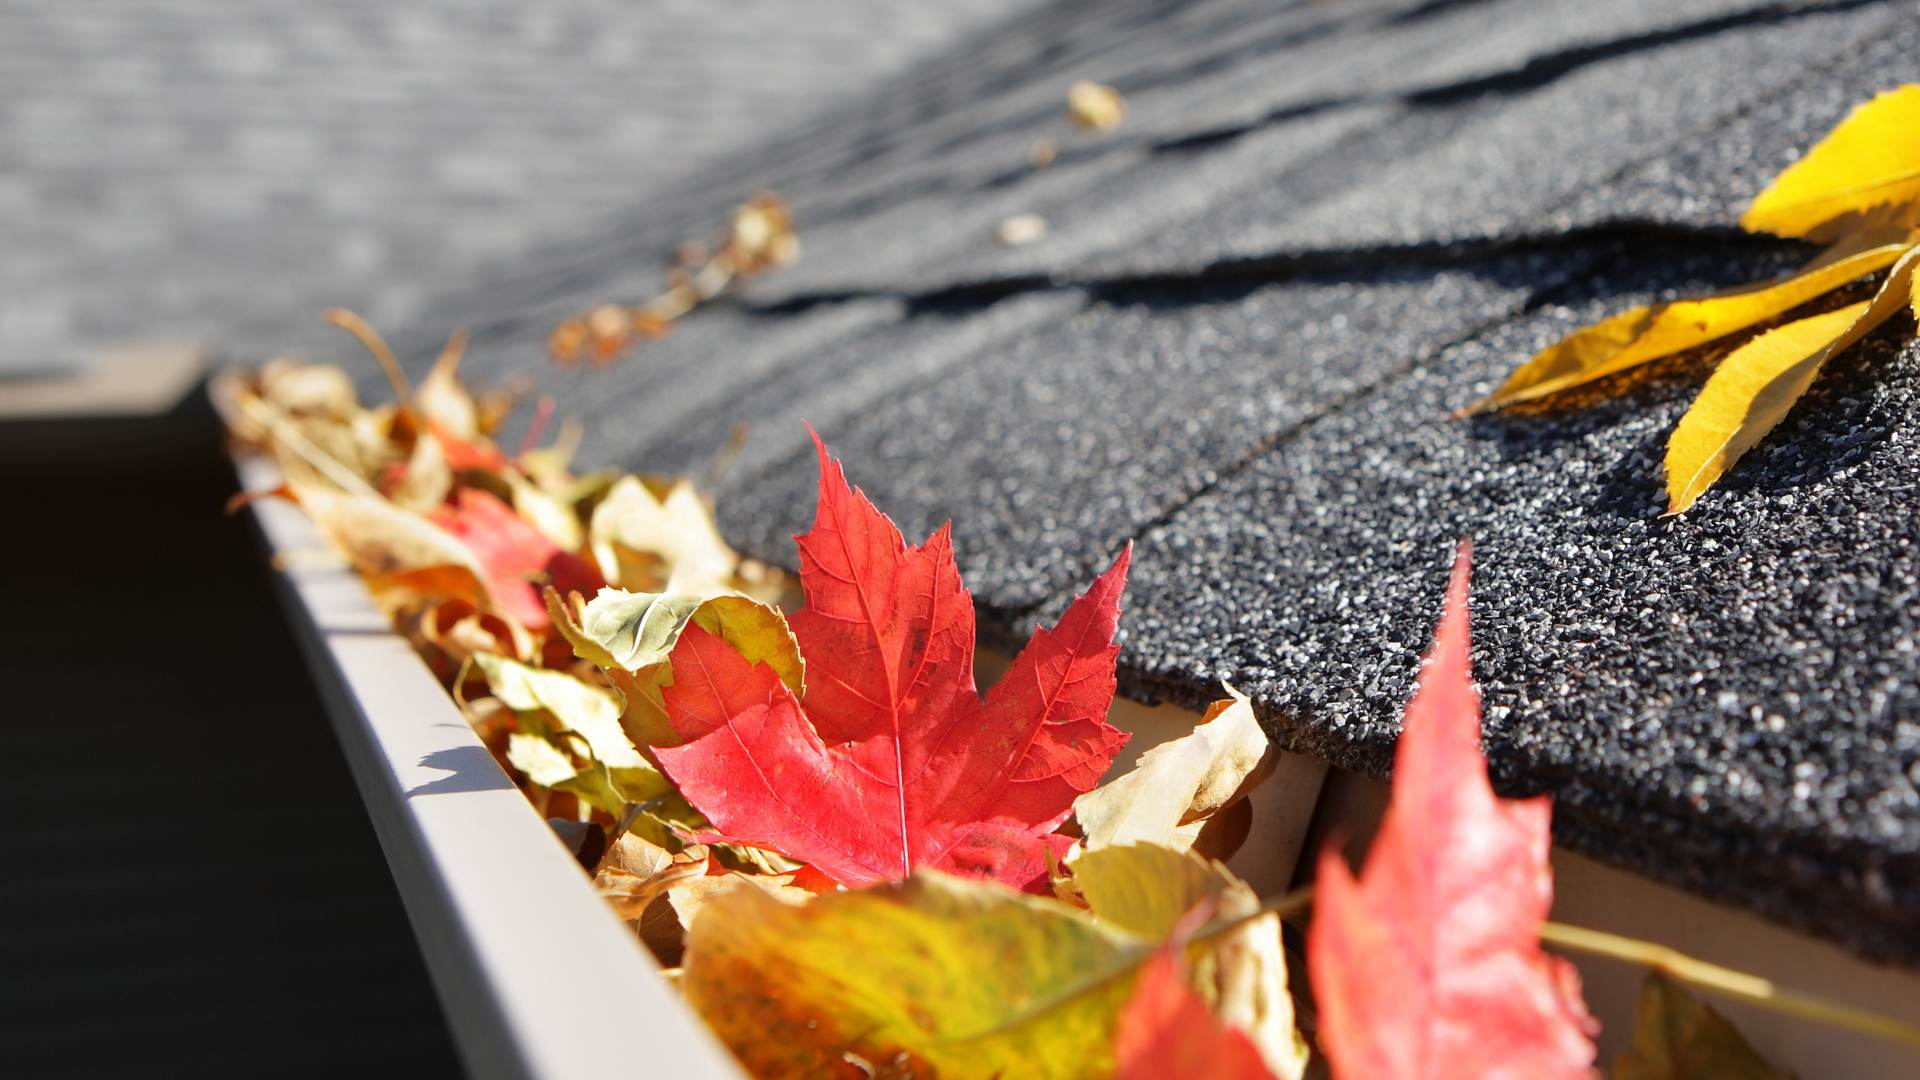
{"x": 194, "y": 168}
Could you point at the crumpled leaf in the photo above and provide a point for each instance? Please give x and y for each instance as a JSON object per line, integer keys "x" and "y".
{"x": 1642, "y": 334}
{"x": 424, "y": 480}
{"x": 952, "y": 973}
{"x": 555, "y": 519}
{"x": 1178, "y": 786}
{"x": 383, "y": 541}
{"x": 632, "y": 635}
{"x": 894, "y": 762}
{"x": 1165, "y": 1031}
{"x": 1430, "y": 965}
{"x": 549, "y": 703}
{"x": 1147, "y": 889}
{"x": 1864, "y": 175}
{"x": 443, "y": 401}
{"x": 515, "y": 555}
{"x": 659, "y": 543}
{"x": 1676, "y": 1037}
{"x": 636, "y": 871}
{"x": 1756, "y": 384}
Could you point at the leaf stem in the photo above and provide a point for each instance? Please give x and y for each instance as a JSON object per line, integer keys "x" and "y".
{"x": 1734, "y": 984}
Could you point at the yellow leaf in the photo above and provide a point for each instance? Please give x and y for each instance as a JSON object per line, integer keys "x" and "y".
{"x": 1178, "y": 786}
{"x": 969, "y": 978}
{"x": 1677, "y": 1038}
{"x": 1145, "y": 889}
{"x": 1754, "y": 386}
{"x": 426, "y": 478}
{"x": 591, "y": 712}
{"x": 674, "y": 535}
{"x": 1094, "y": 106}
{"x": 1864, "y": 175}
{"x": 1643, "y": 334}
{"x": 555, "y": 519}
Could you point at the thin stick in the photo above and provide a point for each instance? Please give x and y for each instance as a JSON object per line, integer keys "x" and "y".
{"x": 1735, "y": 984}
{"x": 370, "y": 340}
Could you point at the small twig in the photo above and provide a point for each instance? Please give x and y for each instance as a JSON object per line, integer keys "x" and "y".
{"x": 1735, "y": 984}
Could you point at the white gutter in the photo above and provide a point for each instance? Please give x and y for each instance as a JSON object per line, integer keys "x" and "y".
{"x": 537, "y": 976}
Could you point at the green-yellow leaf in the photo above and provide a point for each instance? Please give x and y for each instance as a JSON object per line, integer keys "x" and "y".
{"x": 1642, "y": 334}
{"x": 552, "y": 702}
{"x": 1179, "y": 785}
{"x": 1677, "y": 1038}
{"x": 933, "y": 968}
{"x": 1144, "y": 889}
{"x": 1756, "y": 384}
{"x": 632, "y": 634}
{"x": 669, "y": 542}
{"x": 1864, "y": 175}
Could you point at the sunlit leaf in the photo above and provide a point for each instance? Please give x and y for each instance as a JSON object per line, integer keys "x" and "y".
{"x": 1165, "y": 1031}
{"x": 646, "y": 542}
{"x": 1864, "y": 175}
{"x": 1755, "y": 386}
{"x": 1178, "y": 786}
{"x": 971, "y": 978}
{"x": 1430, "y": 965}
{"x": 1147, "y": 889}
{"x": 1643, "y": 334}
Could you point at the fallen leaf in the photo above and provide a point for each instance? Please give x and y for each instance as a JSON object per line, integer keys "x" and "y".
{"x": 1676, "y": 1037}
{"x": 894, "y": 762}
{"x": 636, "y": 871}
{"x": 515, "y": 555}
{"x": 1094, "y": 106}
{"x": 1756, "y": 384}
{"x": 550, "y": 703}
{"x": 1178, "y": 786}
{"x": 440, "y": 398}
{"x": 1430, "y": 965}
{"x": 668, "y": 542}
{"x": 1643, "y": 334}
{"x": 1147, "y": 890}
{"x": 1865, "y": 174}
{"x": 382, "y": 540}
{"x": 1165, "y": 1031}
{"x": 968, "y": 977}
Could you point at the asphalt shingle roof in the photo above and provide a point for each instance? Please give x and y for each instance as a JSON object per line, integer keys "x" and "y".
{"x": 1323, "y": 228}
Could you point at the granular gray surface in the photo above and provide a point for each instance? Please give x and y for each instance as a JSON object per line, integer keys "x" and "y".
{"x": 1324, "y": 228}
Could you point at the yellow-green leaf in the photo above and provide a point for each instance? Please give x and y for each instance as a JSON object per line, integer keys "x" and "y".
{"x": 969, "y": 978}
{"x": 1864, "y": 175}
{"x": 1677, "y": 1038}
{"x": 1756, "y": 384}
{"x": 1179, "y": 785}
{"x": 1145, "y": 889}
{"x": 617, "y": 773}
{"x": 634, "y": 631}
{"x": 1642, "y": 334}
{"x": 659, "y": 542}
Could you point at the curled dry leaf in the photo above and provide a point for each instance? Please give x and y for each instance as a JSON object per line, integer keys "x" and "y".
{"x": 1676, "y": 1037}
{"x": 659, "y": 542}
{"x": 1430, "y": 965}
{"x": 552, "y": 704}
{"x": 1179, "y": 786}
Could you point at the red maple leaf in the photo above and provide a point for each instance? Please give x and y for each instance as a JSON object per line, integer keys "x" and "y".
{"x": 1166, "y": 1030}
{"x": 1430, "y": 965}
{"x": 893, "y": 762}
{"x": 517, "y": 557}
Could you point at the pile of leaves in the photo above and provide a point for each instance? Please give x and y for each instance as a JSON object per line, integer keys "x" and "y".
{"x": 860, "y": 865}
{"x": 1857, "y": 194}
